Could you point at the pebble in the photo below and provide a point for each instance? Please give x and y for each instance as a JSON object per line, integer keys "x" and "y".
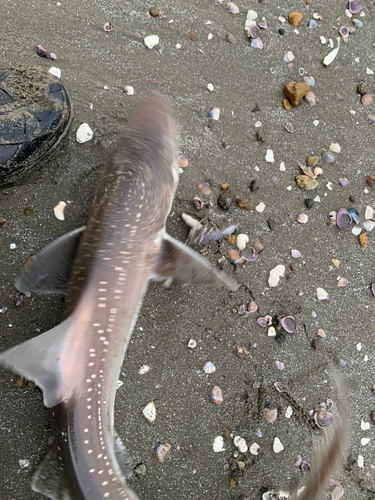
{"x": 59, "y": 210}
{"x": 261, "y": 136}
{"x": 362, "y": 88}
{"x": 151, "y": 41}
{"x": 141, "y": 470}
{"x": 245, "y": 204}
{"x": 254, "y": 449}
{"x": 162, "y": 452}
{"x": 149, "y": 411}
{"x": 365, "y": 441}
{"x": 209, "y": 367}
{"x": 218, "y": 444}
{"x": 270, "y": 415}
{"x": 129, "y": 90}
{"x": 336, "y": 148}
{"x": 254, "y": 185}
{"x": 275, "y": 275}
{"x": 232, "y": 8}
{"x": 154, "y": 11}
{"x": 143, "y": 369}
{"x": 84, "y": 133}
{"x": 269, "y": 156}
{"x": 317, "y": 343}
{"x": 365, "y": 426}
{"x": 295, "y": 91}
{"x": 231, "y": 38}
{"x": 362, "y": 240}
{"x": 309, "y": 203}
{"x": 193, "y": 35}
{"x": 260, "y": 207}
{"x": 240, "y": 443}
{"x": 289, "y": 412}
{"x": 371, "y": 181}
{"x": 277, "y": 445}
{"x": 281, "y": 31}
{"x": 366, "y": 99}
{"x": 360, "y": 461}
{"x": 271, "y": 224}
{"x": 282, "y": 167}
{"x": 216, "y": 395}
{"x": 295, "y": 18}
{"x": 226, "y": 198}
{"x": 305, "y": 182}
{"x": 286, "y": 105}
{"x": 288, "y": 57}
{"x": 210, "y": 87}
{"x": 12, "y": 246}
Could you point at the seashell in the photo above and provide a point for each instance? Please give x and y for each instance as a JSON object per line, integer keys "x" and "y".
{"x": 317, "y": 171}
{"x": 302, "y": 218}
{"x": 55, "y": 72}
{"x": 354, "y": 215}
{"x": 342, "y": 282}
{"x": 129, "y": 90}
{"x": 373, "y": 291}
{"x": 242, "y": 309}
{"x": 235, "y": 257}
{"x": 312, "y": 23}
{"x": 336, "y": 148}
{"x": 218, "y": 444}
{"x": 321, "y": 294}
{"x": 143, "y": 369}
{"x": 256, "y": 43}
{"x": 275, "y": 275}
{"x": 289, "y": 127}
{"x": 151, "y": 41}
{"x": 310, "y": 80}
{"x": 258, "y": 245}
{"x": 323, "y": 40}
{"x": 231, "y": 38}
{"x": 204, "y": 188}
{"x": 333, "y": 217}
{"x": 269, "y": 156}
{"x": 254, "y": 449}
{"x": 240, "y": 351}
{"x": 249, "y": 254}
{"x": 328, "y": 157}
{"x": 277, "y": 445}
{"x": 326, "y": 421}
{"x": 209, "y": 367}
{"x": 357, "y": 23}
{"x": 252, "y": 307}
{"x": 289, "y": 324}
{"x": 182, "y": 161}
{"x": 264, "y": 321}
{"x": 270, "y": 415}
{"x": 332, "y": 55}
{"x": 288, "y": 57}
{"x": 251, "y": 15}
{"x": 149, "y": 411}
{"x": 279, "y": 365}
{"x": 343, "y": 219}
{"x": 307, "y": 171}
{"x": 162, "y": 452}
{"x": 41, "y": 52}
{"x": 242, "y": 240}
{"x": 199, "y": 204}
{"x": 240, "y": 443}
{"x": 192, "y": 344}
{"x": 344, "y": 182}
{"x": 271, "y": 332}
{"x": 310, "y": 98}
{"x": 108, "y": 27}
{"x": 263, "y": 24}
{"x": 232, "y": 8}
{"x": 296, "y": 254}
{"x": 280, "y": 387}
{"x": 84, "y": 133}
{"x": 305, "y": 467}
{"x": 369, "y": 213}
{"x": 322, "y": 333}
{"x": 368, "y": 225}
{"x": 254, "y": 31}
{"x": 59, "y": 210}
{"x": 216, "y": 395}
{"x": 354, "y": 7}
{"x": 344, "y": 31}
{"x": 214, "y": 113}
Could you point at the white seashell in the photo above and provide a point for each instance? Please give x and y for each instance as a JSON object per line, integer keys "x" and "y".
{"x": 178, "y": 45}
{"x": 209, "y": 367}
{"x": 210, "y": 87}
{"x": 151, "y": 41}
{"x": 330, "y": 43}
{"x": 55, "y": 72}
{"x": 218, "y": 444}
{"x": 323, "y": 40}
{"x": 269, "y": 156}
{"x": 289, "y": 412}
{"x": 356, "y": 230}
{"x": 365, "y": 425}
{"x": 143, "y": 369}
{"x": 288, "y": 57}
{"x": 149, "y": 411}
{"x": 251, "y": 14}
{"x": 360, "y": 461}
{"x": 242, "y": 239}
{"x": 129, "y": 90}
{"x": 365, "y": 441}
{"x": 359, "y": 347}
{"x": 192, "y": 344}
{"x": 281, "y": 19}
{"x": 368, "y": 225}
{"x": 277, "y": 445}
{"x": 84, "y": 133}
{"x": 296, "y": 254}
{"x": 12, "y": 246}
{"x": 210, "y": 36}
{"x": 316, "y": 123}
{"x": 336, "y": 148}
{"x": 240, "y": 443}
{"x": 119, "y": 384}
{"x": 260, "y": 208}
{"x": 302, "y": 218}
{"x": 329, "y": 58}
{"x": 59, "y": 210}
{"x": 369, "y": 213}
{"x": 254, "y": 449}
{"x": 271, "y": 332}
{"x": 329, "y": 186}
{"x": 321, "y": 294}
{"x": 369, "y": 71}
{"x": 317, "y": 199}
{"x": 275, "y": 275}
{"x": 348, "y": 13}
{"x": 282, "y": 167}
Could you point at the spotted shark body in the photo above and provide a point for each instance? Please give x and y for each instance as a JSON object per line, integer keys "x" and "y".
{"x": 108, "y": 265}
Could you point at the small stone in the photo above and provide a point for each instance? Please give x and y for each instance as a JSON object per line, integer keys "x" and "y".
{"x": 275, "y": 275}
{"x": 226, "y": 198}
{"x": 269, "y": 156}
{"x": 149, "y": 411}
{"x": 365, "y": 426}
{"x": 371, "y": 181}
{"x": 362, "y": 88}
{"x": 295, "y": 18}
{"x": 231, "y": 239}
{"x": 231, "y": 38}
{"x": 366, "y": 99}
{"x": 162, "y": 452}
{"x": 225, "y": 186}
{"x": 218, "y": 444}
{"x": 245, "y": 204}
{"x": 360, "y": 461}
{"x": 28, "y": 211}
{"x": 277, "y": 445}
{"x": 295, "y": 91}
{"x": 151, "y": 41}
{"x": 155, "y": 11}
{"x": 271, "y": 224}
{"x": 260, "y": 207}
{"x": 192, "y": 35}
{"x": 309, "y": 203}
{"x": 352, "y": 198}
{"x": 312, "y": 161}
{"x": 336, "y": 148}
{"x": 261, "y": 136}
{"x": 258, "y": 246}
{"x": 254, "y": 449}
{"x": 286, "y": 105}
{"x": 281, "y": 31}
{"x": 362, "y": 240}
{"x": 289, "y": 412}
{"x": 365, "y": 441}
{"x": 254, "y": 185}
{"x": 232, "y": 483}
{"x": 317, "y": 343}
{"x": 216, "y": 395}
{"x": 209, "y": 367}
{"x": 240, "y": 443}
{"x": 305, "y": 182}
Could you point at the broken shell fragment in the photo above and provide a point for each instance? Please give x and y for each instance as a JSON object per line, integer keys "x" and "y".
{"x": 198, "y": 203}
{"x": 296, "y": 254}
{"x": 355, "y": 215}
{"x": 84, "y": 133}
{"x": 162, "y": 452}
{"x": 275, "y": 275}
{"x": 249, "y": 254}
{"x": 280, "y": 387}
{"x": 277, "y": 445}
{"x": 41, "y": 52}
{"x": 321, "y": 294}
{"x": 263, "y": 24}
{"x": 289, "y": 127}
{"x": 129, "y": 90}
{"x": 240, "y": 443}
{"x": 214, "y": 113}
{"x": 270, "y": 415}
{"x": 369, "y": 213}
{"x": 108, "y": 27}
{"x": 343, "y": 219}
{"x": 329, "y": 58}
{"x": 323, "y": 418}
{"x": 362, "y": 240}
{"x": 218, "y": 444}
{"x": 252, "y": 307}
{"x": 328, "y": 157}
{"x": 310, "y": 98}
{"x": 368, "y": 225}
{"x": 332, "y": 217}
{"x": 342, "y": 282}
{"x": 232, "y": 8}
{"x": 242, "y": 240}
{"x": 204, "y": 188}
{"x": 302, "y": 218}
{"x": 234, "y": 257}
{"x": 209, "y": 367}
{"x": 264, "y": 321}
{"x": 59, "y": 210}
{"x": 149, "y": 411}
{"x": 254, "y": 449}
{"x": 289, "y": 324}
{"x": 256, "y": 43}
{"x": 151, "y": 41}
{"x": 216, "y": 395}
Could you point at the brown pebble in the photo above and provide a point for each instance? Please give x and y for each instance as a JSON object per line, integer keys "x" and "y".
{"x": 261, "y": 136}
{"x": 227, "y": 435}
{"x": 362, "y": 240}
{"x": 155, "y": 11}
{"x": 312, "y": 161}
{"x": 234, "y": 257}
{"x": 305, "y": 182}
{"x": 317, "y": 343}
{"x": 204, "y": 188}
{"x": 254, "y": 185}
{"x": 231, "y": 38}
{"x": 286, "y": 105}
{"x": 225, "y": 186}
{"x": 162, "y": 451}
{"x": 245, "y": 204}
{"x": 232, "y": 483}
{"x": 19, "y": 382}
{"x": 231, "y": 239}
{"x": 258, "y": 246}
{"x": 373, "y": 388}
{"x": 226, "y": 198}
{"x": 362, "y": 88}
{"x": 240, "y": 351}
{"x": 192, "y": 35}
{"x": 295, "y": 91}
{"x": 295, "y": 18}
{"x": 293, "y": 267}
{"x": 371, "y": 181}
{"x": 366, "y": 99}
{"x": 182, "y": 161}
{"x": 216, "y": 395}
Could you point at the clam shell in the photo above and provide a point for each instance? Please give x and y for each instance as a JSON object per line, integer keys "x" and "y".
{"x": 325, "y": 422}
{"x": 242, "y": 240}
{"x": 344, "y": 31}
{"x": 328, "y": 157}
{"x": 302, "y": 218}
{"x": 270, "y": 415}
{"x": 343, "y": 219}
{"x": 252, "y": 307}
{"x": 342, "y": 282}
{"x": 263, "y": 24}
{"x": 256, "y": 43}
{"x": 216, "y": 395}
{"x": 280, "y": 387}
{"x": 249, "y": 254}
{"x": 354, "y": 7}
{"x": 369, "y": 213}
{"x": 310, "y": 80}
{"x": 368, "y": 225}
{"x": 321, "y": 294}
{"x": 310, "y": 98}
{"x": 232, "y": 8}
{"x": 354, "y": 215}
{"x": 149, "y": 411}
{"x": 214, "y": 113}
{"x": 329, "y": 58}
{"x": 254, "y": 31}
{"x": 59, "y": 210}
{"x": 264, "y": 321}
{"x": 129, "y": 90}
{"x": 289, "y": 324}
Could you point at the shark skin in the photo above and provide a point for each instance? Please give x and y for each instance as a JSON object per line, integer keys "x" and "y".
{"x": 109, "y": 264}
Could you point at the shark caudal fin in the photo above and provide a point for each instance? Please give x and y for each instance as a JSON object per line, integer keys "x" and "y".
{"x": 48, "y": 271}
{"x": 176, "y": 260}
{"x": 49, "y": 479}
{"x": 39, "y": 360}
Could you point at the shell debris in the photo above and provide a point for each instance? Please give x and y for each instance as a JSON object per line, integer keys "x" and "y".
{"x": 59, "y": 210}
{"x": 149, "y": 411}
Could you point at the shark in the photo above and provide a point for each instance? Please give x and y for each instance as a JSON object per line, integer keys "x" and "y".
{"x": 104, "y": 269}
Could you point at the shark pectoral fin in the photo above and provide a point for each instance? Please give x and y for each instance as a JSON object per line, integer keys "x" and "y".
{"x": 38, "y": 360}
{"x": 176, "y": 260}
{"x": 49, "y": 480}
{"x": 48, "y": 271}
{"x": 122, "y": 456}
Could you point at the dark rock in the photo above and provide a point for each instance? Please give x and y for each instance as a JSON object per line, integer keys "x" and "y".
{"x": 281, "y": 31}
{"x": 226, "y": 198}
{"x": 362, "y": 88}
{"x": 317, "y": 343}
{"x": 272, "y": 224}
{"x": 261, "y": 136}
{"x": 309, "y": 203}
{"x": 280, "y": 338}
{"x": 155, "y": 11}
{"x": 254, "y": 185}
{"x": 353, "y": 199}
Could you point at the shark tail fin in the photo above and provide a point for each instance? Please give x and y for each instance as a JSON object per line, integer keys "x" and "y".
{"x": 49, "y": 479}
{"x": 177, "y": 260}
{"x": 38, "y": 360}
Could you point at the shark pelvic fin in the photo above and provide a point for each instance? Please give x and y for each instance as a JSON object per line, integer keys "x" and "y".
{"x": 48, "y": 271}
{"x": 176, "y": 260}
{"x": 122, "y": 456}
{"x": 49, "y": 480}
{"x": 38, "y": 360}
